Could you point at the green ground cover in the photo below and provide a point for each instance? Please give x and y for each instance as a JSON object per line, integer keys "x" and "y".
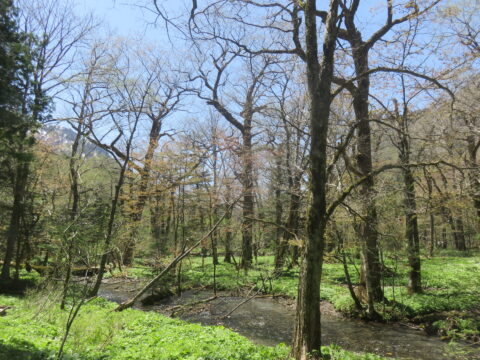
{"x": 450, "y": 304}
{"x": 34, "y": 327}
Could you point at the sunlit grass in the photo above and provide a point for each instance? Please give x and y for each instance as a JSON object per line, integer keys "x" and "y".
{"x": 34, "y": 327}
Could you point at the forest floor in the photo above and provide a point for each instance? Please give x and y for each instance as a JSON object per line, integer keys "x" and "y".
{"x": 449, "y": 305}
{"x": 34, "y": 327}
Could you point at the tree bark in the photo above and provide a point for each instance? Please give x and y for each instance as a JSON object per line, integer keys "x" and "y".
{"x": 456, "y": 223}
{"x": 429, "y": 181}
{"x": 460, "y": 242}
{"x": 280, "y": 243}
{"x": 292, "y": 225}
{"x": 279, "y": 246}
{"x": 368, "y": 229}
{"x": 307, "y": 333}
{"x": 142, "y": 191}
{"x": 248, "y": 196}
{"x": 228, "y": 223}
{"x": 432, "y": 234}
{"x": 411, "y": 233}
{"x": 13, "y": 233}
{"x": 108, "y": 235}
{"x": 474, "y": 173}
{"x": 228, "y": 239}
{"x": 214, "y": 202}
{"x": 371, "y": 267}
{"x": 113, "y": 210}
{"x": 158, "y": 223}
{"x": 409, "y": 203}
{"x": 75, "y": 194}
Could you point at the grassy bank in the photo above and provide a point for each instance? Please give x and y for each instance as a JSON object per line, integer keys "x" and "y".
{"x": 34, "y": 327}
{"x": 449, "y": 306}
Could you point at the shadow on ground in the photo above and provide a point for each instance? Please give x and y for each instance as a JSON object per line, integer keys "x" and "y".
{"x": 22, "y": 350}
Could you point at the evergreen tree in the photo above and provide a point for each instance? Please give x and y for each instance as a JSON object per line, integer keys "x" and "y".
{"x": 22, "y": 107}
{"x": 11, "y": 66}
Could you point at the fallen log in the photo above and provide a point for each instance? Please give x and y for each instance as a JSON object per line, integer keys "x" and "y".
{"x": 77, "y": 271}
{"x": 177, "y": 308}
{"x": 3, "y": 310}
{"x": 130, "y": 302}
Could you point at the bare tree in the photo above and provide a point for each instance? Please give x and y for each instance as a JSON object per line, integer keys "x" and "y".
{"x": 84, "y": 93}
{"x": 154, "y": 95}
{"x": 249, "y": 103}
{"x": 290, "y": 112}
{"x": 114, "y": 133}
{"x": 360, "y": 91}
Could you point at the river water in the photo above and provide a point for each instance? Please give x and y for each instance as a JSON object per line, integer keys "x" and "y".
{"x": 270, "y": 321}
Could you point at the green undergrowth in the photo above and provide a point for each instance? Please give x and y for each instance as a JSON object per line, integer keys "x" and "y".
{"x": 451, "y": 288}
{"x": 33, "y": 329}
{"x": 450, "y": 283}
{"x": 19, "y": 286}
{"x": 462, "y": 326}
{"x": 450, "y": 302}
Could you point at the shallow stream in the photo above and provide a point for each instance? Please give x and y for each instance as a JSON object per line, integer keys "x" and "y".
{"x": 270, "y": 321}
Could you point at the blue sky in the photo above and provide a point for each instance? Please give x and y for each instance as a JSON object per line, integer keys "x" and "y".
{"x": 122, "y": 18}
{"x": 126, "y": 18}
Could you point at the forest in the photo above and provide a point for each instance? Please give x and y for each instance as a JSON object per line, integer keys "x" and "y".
{"x": 239, "y": 179}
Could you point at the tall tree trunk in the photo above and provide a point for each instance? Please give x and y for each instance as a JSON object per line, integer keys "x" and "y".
{"x": 214, "y": 202}
{"x": 341, "y": 247}
{"x": 448, "y": 217}
{"x": 432, "y": 234}
{"x": 245, "y": 128}
{"x": 158, "y": 223}
{"x": 248, "y": 196}
{"x": 228, "y": 238}
{"x": 142, "y": 191}
{"x": 456, "y": 224}
{"x": 409, "y": 202}
{"x": 155, "y": 222}
{"x": 370, "y": 284}
{"x": 444, "y": 237}
{"x": 113, "y": 211}
{"x": 109, "y": 234}
{"x": 21, "y": 171}
{"x": 368, "y": 230}
{"x": 307, "y": 334}
{"x": 294, "y": 159}
{"x": 429, "y": 181}
{"x": 213, "y": 243}
{"x": 474, "y": 173}
{"x": 460, "y": 242}
{"x": 278, "y": 214}
{"x": 75, "y": 196}
{"x": 13, "y": 233}
{"x": 203, "y": 245}
{"x": 280, "y": 243}
{"x": 292, "y": 225}
{"x": 18, "y": 257}
{"x": 228, "y": 230}
{"x": 411, "y": 233}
